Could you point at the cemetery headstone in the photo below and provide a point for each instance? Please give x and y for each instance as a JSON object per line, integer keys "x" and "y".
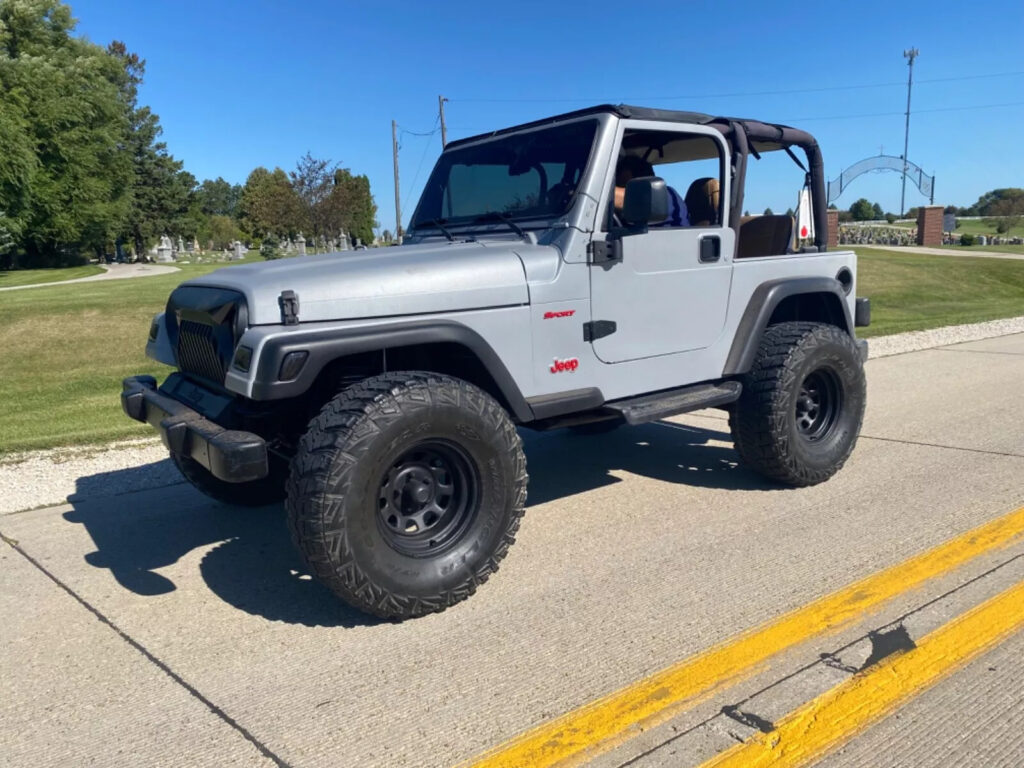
{"x": 164, "y": 251}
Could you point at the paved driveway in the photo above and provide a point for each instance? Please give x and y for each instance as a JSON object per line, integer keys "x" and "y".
{"x": 157, "y": 628}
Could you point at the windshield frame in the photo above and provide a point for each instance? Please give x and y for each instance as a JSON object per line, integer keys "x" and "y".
{"x": 528, "y": 221}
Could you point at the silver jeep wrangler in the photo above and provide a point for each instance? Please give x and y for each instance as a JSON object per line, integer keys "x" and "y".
{"x": 379, "y": 392}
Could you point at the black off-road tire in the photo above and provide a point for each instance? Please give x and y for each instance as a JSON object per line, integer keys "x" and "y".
{"x": 255, "y": 493}
{"x": 379, "y": 454}
{"x": 802, "y": 405}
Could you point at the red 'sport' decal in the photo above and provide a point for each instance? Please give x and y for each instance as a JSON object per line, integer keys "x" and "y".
{"x": 565, "y": 365}
{"x": 564, "y": 313}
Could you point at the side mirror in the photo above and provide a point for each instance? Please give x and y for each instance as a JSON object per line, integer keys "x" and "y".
{"x": 646, "y": 201}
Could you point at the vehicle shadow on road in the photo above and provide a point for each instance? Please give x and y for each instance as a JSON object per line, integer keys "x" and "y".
{"x": 561, "y": 463}
{"x": 252, "y": 565}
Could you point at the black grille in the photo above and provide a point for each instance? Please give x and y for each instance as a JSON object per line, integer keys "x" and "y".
{"x": 197, "y": 351}
{"x": 204, "y": 325}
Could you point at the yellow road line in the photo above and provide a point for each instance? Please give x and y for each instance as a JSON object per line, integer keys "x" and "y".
{"x": 838, "y": 715}
{"x": 605, "y": 723}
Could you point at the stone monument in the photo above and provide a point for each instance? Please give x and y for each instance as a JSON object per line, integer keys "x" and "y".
{"x": 164, "y": 251}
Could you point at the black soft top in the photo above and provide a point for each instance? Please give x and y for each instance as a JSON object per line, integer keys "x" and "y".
{"x": 756, "y": 130}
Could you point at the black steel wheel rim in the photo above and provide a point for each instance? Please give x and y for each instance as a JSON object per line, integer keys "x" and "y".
{"x": 428, "y": 498}
{"x": 818, "y": 404}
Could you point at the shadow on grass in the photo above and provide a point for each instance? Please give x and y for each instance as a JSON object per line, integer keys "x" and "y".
{"x": 253, "y": 565}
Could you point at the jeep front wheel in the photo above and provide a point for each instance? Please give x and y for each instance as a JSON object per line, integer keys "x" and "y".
{"x": 800, "y": 412}
{"x": 406, "y": 492}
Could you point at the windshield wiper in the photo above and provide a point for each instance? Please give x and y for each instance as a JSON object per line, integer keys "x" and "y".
{"x": 502, "y": 217}
{"x": 436, "y": 223}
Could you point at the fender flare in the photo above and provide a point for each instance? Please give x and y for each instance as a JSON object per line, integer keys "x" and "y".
{"x": 763, "y": 301}
{"x": 325, "y": 347}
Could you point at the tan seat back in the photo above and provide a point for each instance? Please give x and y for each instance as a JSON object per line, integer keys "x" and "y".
{"x": 764, "y": 236}
{"x": 702, "y": 202}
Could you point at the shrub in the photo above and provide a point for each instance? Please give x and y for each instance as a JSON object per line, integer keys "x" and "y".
{"x": 269, "y": 249}
{"x": 966, "y": 239}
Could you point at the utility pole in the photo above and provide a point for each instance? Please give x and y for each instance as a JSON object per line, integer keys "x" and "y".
{"x": 911, "y": 54}
{"x": 444, "y": 129}
{"x": 398, "y": 204}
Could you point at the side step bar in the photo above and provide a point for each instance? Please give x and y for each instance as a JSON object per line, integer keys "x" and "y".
{"x": 638, "y": 410}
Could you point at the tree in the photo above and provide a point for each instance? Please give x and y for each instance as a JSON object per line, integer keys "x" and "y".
{"x": 768, "y": 212}
{"x": 219, "y": 231}
{"x": 313, "y": 182}
{"x": 359, "y": 217}
{"x": 986, "y": 203}
{"x": 65, "y": 178}
{"x": 161, "y": 190}
{"x": 218, "y": 197}
{"x": 877, "y": 212}
{"x": 1005, "y": 214}
{"x": 269, "y": 204}
{"x": 862, "y": 210}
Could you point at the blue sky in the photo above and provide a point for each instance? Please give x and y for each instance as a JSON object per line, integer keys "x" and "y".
{"x": 240, "y": 84}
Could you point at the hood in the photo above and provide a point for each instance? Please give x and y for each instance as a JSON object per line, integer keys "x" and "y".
{"x": 379, "y": 282}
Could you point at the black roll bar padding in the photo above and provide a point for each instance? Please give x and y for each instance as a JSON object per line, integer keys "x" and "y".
{"x": 744, "y": 132}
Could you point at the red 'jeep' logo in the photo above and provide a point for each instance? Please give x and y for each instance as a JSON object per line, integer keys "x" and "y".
{"x": 565, "y": 365}
{"x": 563, "y": 313}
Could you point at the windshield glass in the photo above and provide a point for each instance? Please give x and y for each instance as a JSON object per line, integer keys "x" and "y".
{"x": 522, "y": 176}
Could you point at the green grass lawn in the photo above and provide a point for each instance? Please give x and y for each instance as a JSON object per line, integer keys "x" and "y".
{"x": 13, "y": 277}
{"x": 912, "y": 292}
{"x": 66, "y": 348}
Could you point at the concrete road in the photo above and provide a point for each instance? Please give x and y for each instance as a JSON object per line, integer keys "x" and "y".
{"x": 157, "y": 628}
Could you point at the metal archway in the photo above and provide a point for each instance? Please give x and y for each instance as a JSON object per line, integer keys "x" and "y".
{"x": 924, "y": 182}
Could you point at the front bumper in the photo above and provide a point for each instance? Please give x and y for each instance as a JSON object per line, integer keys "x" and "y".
{"x": 230, "y": 455}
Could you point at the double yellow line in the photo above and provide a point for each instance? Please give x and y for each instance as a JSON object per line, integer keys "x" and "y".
{"x": 607, "y": 722}
{"x": 837, "y": 715}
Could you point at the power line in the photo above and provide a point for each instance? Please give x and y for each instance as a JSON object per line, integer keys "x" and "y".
{"x": 403, "y": 131}
{"x": 892, "y": 114}
{"x": 738, "y": 94}
{"x": 423, "y": 156}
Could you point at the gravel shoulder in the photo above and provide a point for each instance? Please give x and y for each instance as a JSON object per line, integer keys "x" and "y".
{"x": 36, "y": 479}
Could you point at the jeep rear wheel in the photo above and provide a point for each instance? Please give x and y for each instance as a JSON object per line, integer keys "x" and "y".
{"x": 255, "y": 493}
{"x": 406, "y": 492}
{"x": 800, "y": 412}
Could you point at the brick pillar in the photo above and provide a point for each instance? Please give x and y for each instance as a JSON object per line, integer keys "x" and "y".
{"x": 833, "y": 228}
{"x": 929, "y": 225}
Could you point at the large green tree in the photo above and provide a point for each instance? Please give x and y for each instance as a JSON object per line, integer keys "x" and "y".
{"x": 64, "y": 179}
{"x": 269, "y": 204}
{"x": 161, "y": 192}
{"x": 862, "y": 210}
{"x": 219, "y": 197}
{"x": 359, "y": 211}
